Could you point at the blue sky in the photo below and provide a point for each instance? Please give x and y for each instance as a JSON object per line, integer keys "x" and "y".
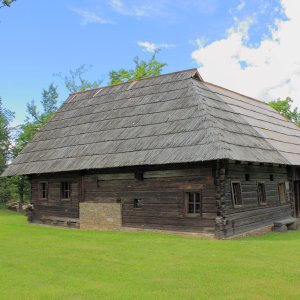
{"x": 40, "y": 38}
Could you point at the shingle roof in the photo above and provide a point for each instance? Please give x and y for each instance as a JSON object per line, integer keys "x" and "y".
{"x": 173, "y": 118}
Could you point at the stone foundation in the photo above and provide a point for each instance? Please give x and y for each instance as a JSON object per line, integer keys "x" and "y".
{"x": 100, "y": 215}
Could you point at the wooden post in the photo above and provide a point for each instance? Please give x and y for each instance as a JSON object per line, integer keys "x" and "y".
{"x": 81, "y": 191}
{"x": 292, "y": 197}
{"x": 220, "y": 178}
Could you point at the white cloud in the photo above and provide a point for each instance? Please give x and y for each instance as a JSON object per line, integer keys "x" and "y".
{"x": 266, "y": 72}
{"x": 89, "y": 17}
{"x": 199, "y": 42}
{"x": 241, "y": 5}
{"x": 120, "y": 8}
{"x": 202, "y": 7}
{"x": 151, "y": 47}
{"x": 162, "y": 8}
{"x": 138, "y": 8}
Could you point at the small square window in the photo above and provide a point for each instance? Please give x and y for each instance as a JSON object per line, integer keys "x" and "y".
{"x": 261, "y": 193}
{"x": 247, "y": 177}
{"x": 137, "y": 203}
{"x": 66, "y": 190}
{"x": 193, "y": 203}
{"x": 271, "y": 177}
{"x": 43, "y": 190}
{"x": 236, "y": 194}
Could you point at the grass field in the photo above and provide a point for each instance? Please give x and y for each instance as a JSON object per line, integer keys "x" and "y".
{"x": 39, "y": 262}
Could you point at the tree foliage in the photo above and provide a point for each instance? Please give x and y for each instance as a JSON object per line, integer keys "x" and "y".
{"x": 49, "y": 99}
{"x": 75, "y": 81}
{"x": 141, "y": 69}
{"x": 36, "y": 119}
{"x": 6, "y": 117}
{"x": 7, "y": 3}
{"x": 284, "y": 107}
{"x": 33, "y": 123}
{"x": 48, "y": 102}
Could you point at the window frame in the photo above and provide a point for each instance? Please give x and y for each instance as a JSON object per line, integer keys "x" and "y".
{"x": 41, "y": 190}
{"x": 235, "y": 205}
{"x": 263, "y": 195}
{"x": 62, "y": 191}
{"x": 187, "y": 203}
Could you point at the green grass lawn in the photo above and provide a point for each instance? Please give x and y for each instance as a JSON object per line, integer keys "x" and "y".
{"x": 39, "y": 262}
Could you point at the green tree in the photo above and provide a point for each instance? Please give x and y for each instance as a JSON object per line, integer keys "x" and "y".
{"x": 75, "y": 81}
{"x": 6, "y": 117}
{"x": 49, "y": 105}
{"x": 7, "y": 3}
{"x": 49, "y": 99}
{"x": 33, "y": 123}
{"x": 284, "y": 107}
{"x": 141, "y": 69}
{"x": 35, "y": 120}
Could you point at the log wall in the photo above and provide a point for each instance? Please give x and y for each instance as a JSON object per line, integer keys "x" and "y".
{"x": 252, "y": 215}
{"x": 162, "y": 196}
{"x": 161, "y": 193}
{"x": 54, "y": 210}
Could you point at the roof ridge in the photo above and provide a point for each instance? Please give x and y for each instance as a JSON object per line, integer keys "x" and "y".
{"x": 212, "y": 119}
{"x": 140, "y": 79}
{"x": 237, "y": 93}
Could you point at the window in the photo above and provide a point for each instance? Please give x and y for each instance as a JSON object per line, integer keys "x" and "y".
{"x": 139, "y": 175}
{"x": 271, "y": 177}
{"x": 137, "y": 203}
{"x": 43, "y": 190}
{"x": 236, "y": 194}
{"x": 247, "y": 177}
{"x": 282, "y": 192}
{"x": 193, "y": 203}
{"x": 66, "y": 190}
{"x": 261, "y": 193}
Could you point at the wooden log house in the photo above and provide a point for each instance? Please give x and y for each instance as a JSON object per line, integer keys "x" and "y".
{"x": 170, "y": 152}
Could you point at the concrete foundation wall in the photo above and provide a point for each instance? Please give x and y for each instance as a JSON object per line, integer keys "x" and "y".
{"x": 100, "y": 215}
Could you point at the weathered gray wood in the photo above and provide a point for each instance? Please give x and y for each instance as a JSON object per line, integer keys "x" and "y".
{"x": 285, "y": 222}
{"x": 54, "y": 207}
{"x": 162, "y": 192}
{"x": 177, "y": 173}
{"x": 252, "y": 215}
{"x": 120, "y": 176}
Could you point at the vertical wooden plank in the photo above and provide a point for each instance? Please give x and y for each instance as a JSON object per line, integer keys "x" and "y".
{"x": 220, "y": 179}
{"x": 81, "y": 191}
